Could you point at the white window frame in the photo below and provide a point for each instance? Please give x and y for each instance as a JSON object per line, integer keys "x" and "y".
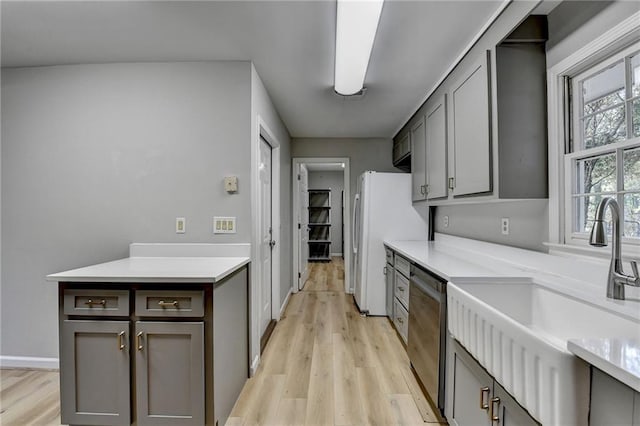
{"x": 561, "y": 177}
{"x": 578, "y": 153}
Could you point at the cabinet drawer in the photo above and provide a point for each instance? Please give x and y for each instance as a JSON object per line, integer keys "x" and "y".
{"x": 167, "y": 303}
{"x": 401, "y": 319}
{"x": 389, "y": 254}
{"x": 96, "y": 302}
{"x": 402, "y": 265}
{"x": 401, "y": 289}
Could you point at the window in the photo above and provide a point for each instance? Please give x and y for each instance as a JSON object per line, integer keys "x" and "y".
{"x": 603, "y": 159}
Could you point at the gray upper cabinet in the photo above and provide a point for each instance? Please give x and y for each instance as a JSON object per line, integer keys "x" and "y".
{"x": 169, "y": 373}
{"x": 95, "y": 383}
{"x": 418, "y": 139}
{"x": 470, "y": 131}
{"x": 436, "y": 152}
{"x": 484, "y": 128}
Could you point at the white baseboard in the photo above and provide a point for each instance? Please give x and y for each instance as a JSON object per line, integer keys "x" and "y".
{"x": 284, "y": 304}
{"x": 336, "y": 254}
{"x": 28, "y": 362}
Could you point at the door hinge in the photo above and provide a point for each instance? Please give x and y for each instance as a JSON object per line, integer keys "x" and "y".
{"x": 298, "y": 176}
{"x": 299, "y": 226}
{"x": 299, "y": 275}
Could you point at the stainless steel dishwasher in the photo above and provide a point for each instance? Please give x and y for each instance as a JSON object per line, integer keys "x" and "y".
{"x": 427, "y": 327}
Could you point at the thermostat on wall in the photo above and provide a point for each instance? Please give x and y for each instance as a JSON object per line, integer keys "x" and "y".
{"x": 231, "y": 183}
{"x": 224, "y": 225}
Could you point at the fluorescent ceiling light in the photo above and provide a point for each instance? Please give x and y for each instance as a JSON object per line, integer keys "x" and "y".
{"x": 356, "y": 25}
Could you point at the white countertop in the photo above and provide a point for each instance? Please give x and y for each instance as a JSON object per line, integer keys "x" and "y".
{"x": 184, "y": 263}
{"x": 620, "y": 358}
{"x": 460, "y": 259}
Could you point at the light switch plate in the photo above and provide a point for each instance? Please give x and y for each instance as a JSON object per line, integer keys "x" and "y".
{"x": 181, "y": 225}
{"x": 224, "y": 225}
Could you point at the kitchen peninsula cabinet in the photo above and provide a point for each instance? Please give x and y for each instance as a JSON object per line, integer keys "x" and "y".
{"x": 153, "y": 348}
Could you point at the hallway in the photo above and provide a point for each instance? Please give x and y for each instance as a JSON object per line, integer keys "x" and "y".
{"x": 327, "y": 365}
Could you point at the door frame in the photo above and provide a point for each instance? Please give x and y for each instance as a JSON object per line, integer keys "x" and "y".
{"x": 263, "y": 131}
{"x": 346, "y": 219}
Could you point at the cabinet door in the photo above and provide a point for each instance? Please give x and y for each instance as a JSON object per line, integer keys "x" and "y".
{"x": 169, "y": 373}
{"x": 509, "y": 412}
{"x": 94, "y": 378}
{"x": 470, "y": 130}
{"x": 436, "y": 162}
{"x": 471, "y": 392}
{"x": 418, "y": 161}
{"x": 611, "y": 401}
{"x": 389, "y": 283}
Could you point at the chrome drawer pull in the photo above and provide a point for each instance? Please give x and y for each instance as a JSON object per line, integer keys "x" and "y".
{"x": 139, "y": 341}
{"x": 495, "y": 410}
{"x": 401, "y": 288}
{"x": 121, "y": 340}
{"x": 400, "y": 320}
{"x": 167, "y": 304}
{"x": 484, "y": 391}
{"x": 91, "y": 302}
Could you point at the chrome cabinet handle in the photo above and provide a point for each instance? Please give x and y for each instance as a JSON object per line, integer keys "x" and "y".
{"x": 139, "y": 341}
{"x": 484, "y": 392}
{"x": 121, "y": 340}
{"x": 164, "y": 304}
{"x": 495, "y": 410}
{"x": 384, "y": 270}
{"x": 400, "y": 320}
{"x": 451, "y": 183}
{"x": 90, "y": 302}
{"x": 401, "y": 289}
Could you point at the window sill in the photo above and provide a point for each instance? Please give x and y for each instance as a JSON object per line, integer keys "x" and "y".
{"x": 629, "y": 252}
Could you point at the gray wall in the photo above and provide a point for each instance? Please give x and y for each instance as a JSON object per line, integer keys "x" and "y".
{"x": 95, "y": 157}
{"x": 364, "y": 154}
{"x": 575, "y": 23}
{"x": 335, "y": 182}
{"x": 528, "y": 222}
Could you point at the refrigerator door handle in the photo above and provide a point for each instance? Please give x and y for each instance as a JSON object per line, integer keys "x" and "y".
{"x": 354, "y": 230}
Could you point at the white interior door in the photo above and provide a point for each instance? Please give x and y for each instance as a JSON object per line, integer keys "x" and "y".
{"x": 303, "y": 231}
{"x": 266, "y": 232}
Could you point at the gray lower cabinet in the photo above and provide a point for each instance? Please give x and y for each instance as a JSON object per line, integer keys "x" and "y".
{"x": 476, "y": 399}
{"x": 95, "y": 362}
{"x": 389, "y": 274}
{"x": 169, "y": 364}
{"x": 612, "y": 402}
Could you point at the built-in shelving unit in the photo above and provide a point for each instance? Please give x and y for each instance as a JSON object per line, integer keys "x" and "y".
{"x": 319, "y": 225}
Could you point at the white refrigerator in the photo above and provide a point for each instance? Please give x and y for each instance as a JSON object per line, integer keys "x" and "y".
{"x": 382, "y": 210}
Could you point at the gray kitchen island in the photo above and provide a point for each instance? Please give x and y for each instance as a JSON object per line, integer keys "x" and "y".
{"x": 159, "y": 338}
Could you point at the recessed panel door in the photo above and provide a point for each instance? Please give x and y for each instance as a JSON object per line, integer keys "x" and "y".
{"x": 266, "y": 233}
{"x": 169, "y": 373}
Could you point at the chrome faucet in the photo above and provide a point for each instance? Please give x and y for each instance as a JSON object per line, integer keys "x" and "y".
{"x": 617, "y": 278}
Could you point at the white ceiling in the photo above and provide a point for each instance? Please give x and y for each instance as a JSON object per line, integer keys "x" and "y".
{"x": 290, "y": 42}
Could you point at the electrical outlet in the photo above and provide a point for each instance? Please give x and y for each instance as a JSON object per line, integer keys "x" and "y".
{"x": 446, "y": 221}
{"x": 504, "y": 226}
{"x": 181, "y": 225}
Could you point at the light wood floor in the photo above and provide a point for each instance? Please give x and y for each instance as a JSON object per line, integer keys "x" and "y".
{"x": 327, "y": 365}
{"x": 324, "y": 365}
{"x": 29, "y": 397}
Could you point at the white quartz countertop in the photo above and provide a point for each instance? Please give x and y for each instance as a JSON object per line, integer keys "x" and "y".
{"x": 156, "y": 269}
{"x": 620, "y": 358}
{"x": 165, "y": 263}
{"x": 463, "y": 260}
